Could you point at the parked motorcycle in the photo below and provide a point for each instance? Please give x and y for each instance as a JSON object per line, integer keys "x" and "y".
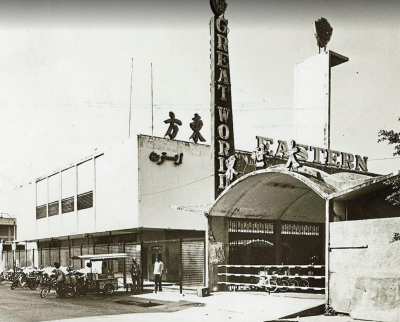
{"x": 71, "y": 284}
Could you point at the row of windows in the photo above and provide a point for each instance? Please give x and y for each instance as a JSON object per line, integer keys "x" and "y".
{"x": 84, "y": 201}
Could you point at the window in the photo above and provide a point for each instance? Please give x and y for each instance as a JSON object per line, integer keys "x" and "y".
{"x": 41, "y": 212}
{"x": 67, "y": 205}
{"x": 53, "y": 208}
{"x": 85, "y": 200}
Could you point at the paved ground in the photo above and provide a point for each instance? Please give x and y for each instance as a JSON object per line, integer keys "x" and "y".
{"x": 225, "y": 306}
{"x": 24, "y": 305}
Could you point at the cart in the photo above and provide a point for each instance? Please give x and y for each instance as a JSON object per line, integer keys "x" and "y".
{"x": 102, "y": 283}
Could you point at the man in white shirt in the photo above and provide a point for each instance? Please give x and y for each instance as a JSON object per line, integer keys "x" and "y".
{"x": 158, "y": 270}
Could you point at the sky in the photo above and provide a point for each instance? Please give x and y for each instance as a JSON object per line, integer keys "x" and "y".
{"x": 66, "y": 70}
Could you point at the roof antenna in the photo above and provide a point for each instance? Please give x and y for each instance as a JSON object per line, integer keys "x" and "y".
{"x": 152, "y": 106}
{"x": 130, "y": 102}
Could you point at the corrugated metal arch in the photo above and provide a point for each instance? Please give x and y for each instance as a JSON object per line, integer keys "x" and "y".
{"x": 276, "y": 194}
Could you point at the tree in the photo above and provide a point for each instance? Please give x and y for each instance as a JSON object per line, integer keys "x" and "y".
{"x": 392, "y": 137}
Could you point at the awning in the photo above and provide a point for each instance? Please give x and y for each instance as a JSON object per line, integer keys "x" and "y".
{"x": 276, "y": 193}
{"x": 101, "y": 257}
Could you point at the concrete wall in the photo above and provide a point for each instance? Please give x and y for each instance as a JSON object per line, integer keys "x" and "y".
{"x": 164, "y": 185}
{"x": 311, "y": 100}
{"x": 352, "y": 268}
{"x": 116, "y": 201}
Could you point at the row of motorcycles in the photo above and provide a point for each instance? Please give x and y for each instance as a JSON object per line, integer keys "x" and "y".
{"x": 71, "y": 283}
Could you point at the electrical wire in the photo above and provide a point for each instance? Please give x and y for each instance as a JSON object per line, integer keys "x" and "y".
{"x": 185, "y": 185}
{"x": 384, "y": 159}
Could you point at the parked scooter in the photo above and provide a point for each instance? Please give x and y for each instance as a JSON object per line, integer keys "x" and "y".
{"x": 23, "y": 280}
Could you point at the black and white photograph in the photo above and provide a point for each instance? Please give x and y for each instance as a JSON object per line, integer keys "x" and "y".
{"x": 199, "y": 160}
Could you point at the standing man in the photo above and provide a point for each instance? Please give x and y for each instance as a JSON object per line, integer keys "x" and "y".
{"x": 135, "y": 274}
{"x": 158, "y": 270}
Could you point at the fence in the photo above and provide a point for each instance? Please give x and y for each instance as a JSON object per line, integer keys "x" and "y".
{"x": 277, "y": 277}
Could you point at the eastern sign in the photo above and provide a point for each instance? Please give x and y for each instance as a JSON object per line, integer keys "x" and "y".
{"x": 221, "y": 106}
{"x": 160, "y": 159}
{"x": 300, "y": 152}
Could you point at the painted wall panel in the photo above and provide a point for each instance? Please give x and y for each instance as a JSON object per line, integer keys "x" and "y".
{"x": 85, "y": 176}
{"x": 116, "y": 192}
{"x": 69, "y": 224}
{"x": 167, "y": 184}
{"x": 86, "y": 220}
{"x": 42, "y": 229}
{"x": 68, "y": 183}
{"x": 55, "y": 226}
{"x": 54, "y": 187}
{"x": 41, "y": 192}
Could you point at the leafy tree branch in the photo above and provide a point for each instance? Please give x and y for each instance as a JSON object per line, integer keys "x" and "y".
{"x": 392, "y": 137}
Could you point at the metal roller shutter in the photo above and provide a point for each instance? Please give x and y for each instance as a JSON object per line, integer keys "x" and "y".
{"x": 193, "y": 263}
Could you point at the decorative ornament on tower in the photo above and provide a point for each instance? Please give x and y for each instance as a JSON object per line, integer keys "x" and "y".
{"x": 218, "y": 7}
{"x": 323, "y": 33}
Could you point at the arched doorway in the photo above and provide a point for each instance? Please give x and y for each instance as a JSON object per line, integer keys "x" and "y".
{"x": 271, "y": 216}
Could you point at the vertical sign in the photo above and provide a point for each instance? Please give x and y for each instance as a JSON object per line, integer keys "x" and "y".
{"x": 221, "y": 106}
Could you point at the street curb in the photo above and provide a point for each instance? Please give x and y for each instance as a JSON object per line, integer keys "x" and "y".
{"x": 316, "y": 310}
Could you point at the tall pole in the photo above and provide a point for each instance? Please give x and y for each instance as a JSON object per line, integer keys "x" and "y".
{"x": 130, "y": 101}
{"x": 152, "y": 106}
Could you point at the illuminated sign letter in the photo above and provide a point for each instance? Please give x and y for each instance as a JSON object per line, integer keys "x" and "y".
{"x": 224, "y": 148}
{"x": 347, "y": 160}
{"x": 221, "y": 164}
{"x": 303, "y": 154}
{"x": 222, "y": 59}
{"x": 223, "y": 76}
{"x": 222, "y": 43}
{"x": 223, "y": 114}
{"x": 282, "y": 149}
{"x": 317, "y": 154}
{"x": 332, "y": 156}
{"x": 221, "y": 129}
{"x": 223, "y": 92}
{"x": 224, "y": 28}
{"x": 221, "y": 181}
{"x": 361, "y": 163}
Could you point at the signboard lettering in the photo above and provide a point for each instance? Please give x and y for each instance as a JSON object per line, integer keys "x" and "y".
{"x": 300, "y": 152}
{"x": 160, "y": 159}
{"x": 221, "y": 107}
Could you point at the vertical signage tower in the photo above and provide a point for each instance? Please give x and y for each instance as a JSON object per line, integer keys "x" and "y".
{"x": 222, "y": 140}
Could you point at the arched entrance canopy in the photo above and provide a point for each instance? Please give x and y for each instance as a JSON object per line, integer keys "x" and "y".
{"x": 279, "y": 194}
